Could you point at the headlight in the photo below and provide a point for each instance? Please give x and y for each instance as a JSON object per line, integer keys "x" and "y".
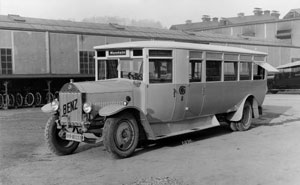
{"x": 87, "y": 107}
{"x": 55, "y": 105}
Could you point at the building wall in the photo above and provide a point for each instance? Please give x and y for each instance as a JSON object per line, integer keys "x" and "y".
{"x": 296, "y": 33}
{"x": 87, "y": 42}
{"x": 64, "y": 53}
{"x": 29, "y": 53}
{"x": 5, "y": 41}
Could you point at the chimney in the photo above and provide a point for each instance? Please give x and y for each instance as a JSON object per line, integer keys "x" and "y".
{"x": 257, "y": 11}
{"x": 188, "y": 21}
{"x": 267, "y": 12}
{"x": 241, "y": 14}
{"x": 215, "y": 19}
{"x": 205, "y": 18}
{"x": 275, "y": 14}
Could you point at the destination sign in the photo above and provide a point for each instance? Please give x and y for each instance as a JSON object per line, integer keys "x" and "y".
{"x": 116, "y": 52}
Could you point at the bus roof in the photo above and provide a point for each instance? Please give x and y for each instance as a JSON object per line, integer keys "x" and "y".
{"x": 178, "y": 45}
{"x": 289, "y": 65}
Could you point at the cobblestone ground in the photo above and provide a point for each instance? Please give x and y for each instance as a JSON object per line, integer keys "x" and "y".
{"x": 267, "y": 154}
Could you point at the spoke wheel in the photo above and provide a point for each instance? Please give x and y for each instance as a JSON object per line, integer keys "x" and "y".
{"x": 245, "y": 122}
{"x": 121, "y": 135}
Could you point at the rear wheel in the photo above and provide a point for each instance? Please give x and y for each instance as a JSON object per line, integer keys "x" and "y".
{"x": 245, "y": 122}
{"x": 55, "y": 141}
{"x": 121, "y": 135}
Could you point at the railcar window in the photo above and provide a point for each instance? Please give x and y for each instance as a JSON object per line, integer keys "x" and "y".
{"x": 245, "y": 70}
{"x": 230, "y": 71}
{"x": 258, "y": 72}
{"x": 107, "y": 69}
{"x": 5, "y": 61}
{"x": 213, "y": 70}
{"x": 160, "y": 70}
{"x": 87, "y": 62}
{"x": 132, "y": 69}
{"x": 195, "y": 70}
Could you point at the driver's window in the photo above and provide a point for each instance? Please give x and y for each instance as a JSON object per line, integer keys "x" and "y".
{"x": 160, "y": 70}
{"x": 132, "y": 69}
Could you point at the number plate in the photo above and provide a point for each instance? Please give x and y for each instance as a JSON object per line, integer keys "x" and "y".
{"x": 74, "y": 137}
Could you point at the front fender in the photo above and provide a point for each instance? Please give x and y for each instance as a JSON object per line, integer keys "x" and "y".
{"x": 238, "y": 114}
{"x": 110, "y": 110}
{"x": 48, "y": 109}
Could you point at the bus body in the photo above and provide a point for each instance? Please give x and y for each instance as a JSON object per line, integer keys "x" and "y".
{"x": 287, "y": 79}
{"x": 149, "y": 90}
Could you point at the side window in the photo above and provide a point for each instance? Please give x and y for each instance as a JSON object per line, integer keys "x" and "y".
{"x": 245, "y": 70}
{"x": 160, "y": 70}
{"x": 213, "y": 71}
{"x": 230, "y": 71}
{"x": 258, "y": 72}
{"x": 195, "y": 70}
{"x": 5, "y": 61}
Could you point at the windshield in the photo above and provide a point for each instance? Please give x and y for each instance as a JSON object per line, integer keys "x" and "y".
{"x": 131, "y": 69}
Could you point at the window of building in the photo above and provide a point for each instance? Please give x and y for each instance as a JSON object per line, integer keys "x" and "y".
{"x": 230, "y": 71}
{"x": 258, "y": 72}
{"x": 245, "y": 70}
{"x": 195, "y": 70}
{"x": 6, "y": 61}
{"x": 87, "y": 62}
{"x": 213, "y": 70}
{"x": 160, "y": 70}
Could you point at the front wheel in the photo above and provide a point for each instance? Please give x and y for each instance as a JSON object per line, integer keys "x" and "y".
{"x": 54, "y": 140}
{"x": 120, "y": 136}
{"x": 245, "y": 122}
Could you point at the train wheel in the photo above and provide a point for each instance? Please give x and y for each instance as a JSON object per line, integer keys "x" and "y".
{"x": 1, "y": 101}
{"x": 49, "y": 97}
{"x": 38, "y": 99}
{"x": 19, "y": 99}
{"x": 29, "y": 99}
{"x": 54, "y": 139}
{"x": 120, "y": 135}
{"x": 246, "y": 120}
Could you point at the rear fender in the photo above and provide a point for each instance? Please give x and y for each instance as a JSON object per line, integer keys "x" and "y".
{"x": 113, "y": 109}
{"x": 238, "y": 114}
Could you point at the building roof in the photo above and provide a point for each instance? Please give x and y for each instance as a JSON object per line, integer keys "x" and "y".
{"x": 178, "y": 45}
{"x": 289, "y": 65}
{"x": 15, "y": 22}
{"x": 293, "y": 13}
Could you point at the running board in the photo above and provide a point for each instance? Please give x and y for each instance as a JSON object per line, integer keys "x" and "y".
{"x": 162, "y": 130}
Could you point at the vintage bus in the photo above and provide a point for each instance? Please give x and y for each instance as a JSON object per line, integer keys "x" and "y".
{"x": 149, "y": 90}
{"x": 287, "y": 79}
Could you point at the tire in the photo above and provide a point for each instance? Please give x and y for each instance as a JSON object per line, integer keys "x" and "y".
{"x": 245, "y": 122}
{"x": 1, "y": 101}
{"x": 233, "y": 126}
{"x": 19, "y": 99}
{"x": 120, "y": 135}
{"x": 38, "y": 99}
{"x": 29, "y": 99}
{"x": 55, "y": 143}
{"x": 49, "y": 97}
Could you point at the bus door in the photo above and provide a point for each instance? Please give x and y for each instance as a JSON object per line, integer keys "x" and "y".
{"x": 160, "y": 91}
{"x": 181, "y": 84}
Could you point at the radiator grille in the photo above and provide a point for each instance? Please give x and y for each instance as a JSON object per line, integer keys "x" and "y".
{"x": 70, "y": 106}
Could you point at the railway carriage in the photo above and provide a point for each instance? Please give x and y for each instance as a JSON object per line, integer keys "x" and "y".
{"x": 148, "y": 90}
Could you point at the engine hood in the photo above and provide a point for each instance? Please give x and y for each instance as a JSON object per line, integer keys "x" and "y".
{"x": 103, "y": 86}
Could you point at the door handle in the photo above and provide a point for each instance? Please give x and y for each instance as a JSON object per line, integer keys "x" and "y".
{"x": 174, "y": 92}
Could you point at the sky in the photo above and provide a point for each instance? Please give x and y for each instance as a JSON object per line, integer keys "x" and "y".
{"x": 167, "y": 12}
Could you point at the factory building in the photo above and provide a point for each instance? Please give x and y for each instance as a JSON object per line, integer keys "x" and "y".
{"x": 37, "y": 56}
{"x": 263, "y": 24}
